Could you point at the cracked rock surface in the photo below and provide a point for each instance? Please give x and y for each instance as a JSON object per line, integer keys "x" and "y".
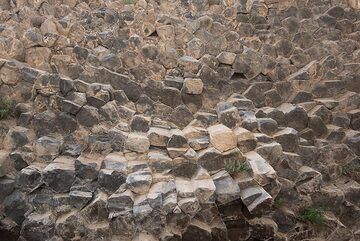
{"x": 191, "y": 120}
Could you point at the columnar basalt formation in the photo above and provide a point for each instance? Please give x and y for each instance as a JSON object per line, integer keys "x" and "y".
{"x": 213, "y": 120}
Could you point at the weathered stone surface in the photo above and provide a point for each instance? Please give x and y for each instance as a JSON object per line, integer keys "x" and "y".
{"x": 60, "y": 174}
{"x": 262, "y": 170}
{"x": 113, "y": 172}
{"x": 229, "y": 117}
{"x": 29, "y": 177}
{"x": 38, "y": 226}
{"x": 267, "y": 125}
{"x": 158, "y": 136}
{"x": 137, "y": 142}
{"x": 79, "y": 199}
{"x": 179, "y": 120}
{"x": 197, "y": 229}
{"x": 181, "y": 116}
{"x": 295, "y": 117}
{"x": 177, "y": 144}
{"x": 18, "y": 137}
{"x": 246, "y": 140}
{"x": 227, "y": 189}
{"x": 255, "y": 198}
{"x": 47, "y": 148}
{"x": 88, "y": 166}
{"x": 287, "y": 138}
{"x": 7, "y": 185}
{"x": 88, "y": 116}
{"x": 139, "y": 182}
{"x": 222, "y": 138}
{"x": 15, "y": 206}
{"x": 4, "y": 163}
{"x": 193, "y": 86}
{"x": 140, "y": 123}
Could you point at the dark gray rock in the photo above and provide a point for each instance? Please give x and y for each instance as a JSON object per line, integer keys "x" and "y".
{"x": 60, "y": 174}
{"x": 170, "y": 96}
{"x": 140, "y": 123}
{"x": 181, "y": 116}
{"x": 79, "y": 198}
{"x": 88, "y": 116}
{"x": 7, "y": 185}
{"x": 288, "y": 138}
{"x": 71, "y": 107}
{"x": 38, "y": 226}
{"x": 111, "y": 180}
{"x": 29, "y": 177}
{"x": 267, "y": 125}
{"x": 295, "y": 116}
{"x": 229, "y": 117}
{"x": 197, "y": 229}
{"x": 15, "y": 206}
{"x": 88, "y": 166}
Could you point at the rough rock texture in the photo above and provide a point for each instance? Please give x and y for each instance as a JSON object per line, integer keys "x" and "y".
{"x": 190, "y": 120}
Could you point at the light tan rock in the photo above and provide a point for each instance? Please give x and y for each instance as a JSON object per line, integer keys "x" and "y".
{"x": 355, "y": 4}
{"x": 4, "y": 162}
{"x": 193, "y": 86}
{"x": 137, "y": 142}
{"x": 158, "y": 136}
{"x": 222, "y": 137}
{"x": 226, "y": 58}
{"x": 245, "y": 139}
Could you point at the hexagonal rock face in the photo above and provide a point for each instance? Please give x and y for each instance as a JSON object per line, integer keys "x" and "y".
{"x": 60, "y": 174}
{"x": 178, "y": 118}
{"x": 137, "y": 142}
{"x": 139, "y": 182}
{"x": 193, "y": 86}
{"x": 262, "y": 170}
{"x": 222, "y": 137}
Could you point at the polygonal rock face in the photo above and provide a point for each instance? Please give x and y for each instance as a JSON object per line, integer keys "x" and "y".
{"x": 158, "y": 136}
{"x": 60, "y": 174}
{"x": 4, "y": 163}
{"x": 137, "y": 142}
{"x": 222, "y": 138}
{"x": 261, "y": 169}
{"x": 139, "y": 182}
{"x": 173, "y": 120}
{"x": 193, "y": 86}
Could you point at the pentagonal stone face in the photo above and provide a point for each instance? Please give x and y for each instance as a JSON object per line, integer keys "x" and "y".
{"x": 193, "y": 86}
{"x": 181, "y": 116}
{"x": 88, "y": 116}
{"x": 15, "y": 206}
{"x": 178, "y": 120}
{"x": 38, "y": 226}
{"x": 140, "y": 123}
{"x": 137, "y": 142}
{"x": 139, "y": 182}
{"x": 287, "y": 138}
{"x": 171, "y": 97}
{"x": 295, "y": 117}
{"x": 222, "y": 138}
{"x": 29, "y": 177}
{"x": 111, "y": 180}
{"x": 60, "y": 174}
